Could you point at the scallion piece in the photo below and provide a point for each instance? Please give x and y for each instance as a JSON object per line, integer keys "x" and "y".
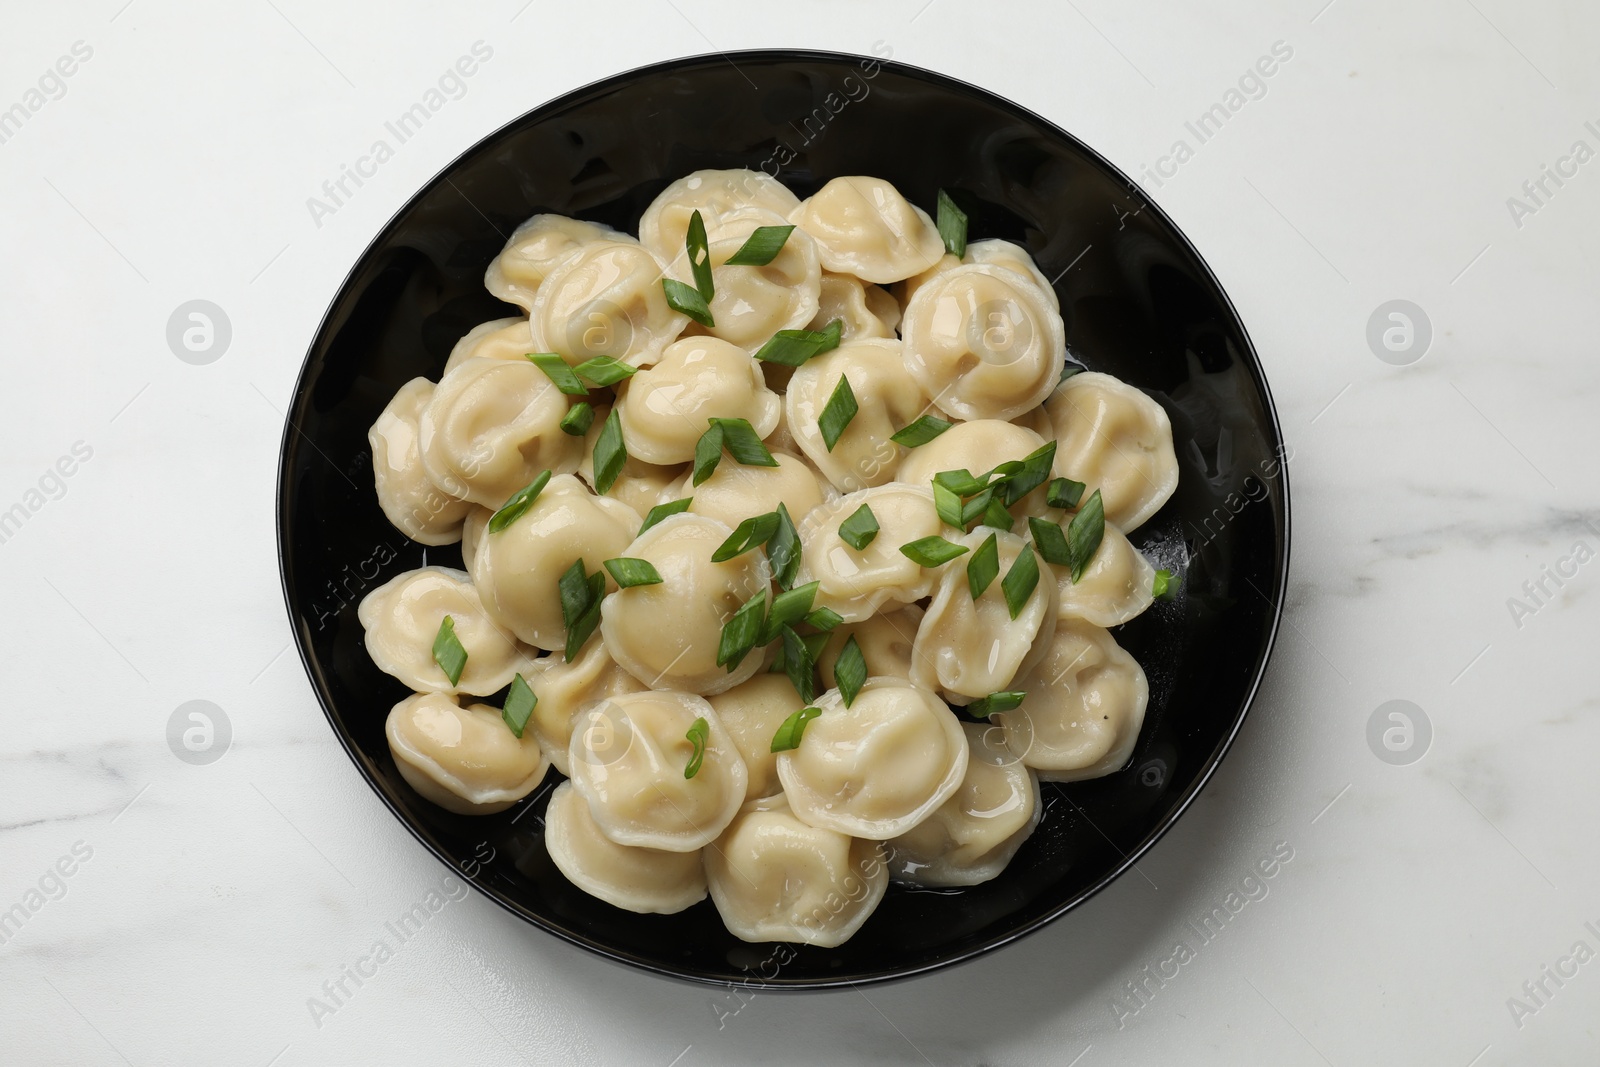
{"x": 859, "y": 529}
{"x": 921, "y": 431}
{"x": 1088, "y": 526}
{"x": 698, "y": 733}
{"x": 753, "y": 531}
{"x": 581, "y": 594}
{"x": 520, "y": 702}
{"x": 695, "y": 243}
{"x": 1064, "y": 493}
{"x": 977, "y": 506}
{"x": 824, "y": 619}
{"x": 556, "y": 369}
{"x": 1020, "y": 581}
{"x": 448, "y": 652}
{"x": 628, "y": 572}
{"x": 931, "y": 551}
{"x": 850, "y": 671}
{"x": 837, "y": 413}
{"x": 743, "y": 443}
{"x": 1050, "y": 541}
{"x": 793, "y": 729}
{"x": 578, "y": 419}
{"x": 687, "y": 300}
{"x": 1165, "y": 586}
{"x": 662, "y": 511}
{"x": 793, "y": 347}
{"x": 960, "y": 482}
{"x": 996, "y": 515}
{"x": 1030, "y": 473}
{"x": 787, "y": 609}
{"x": 739, "y": 633}
{"x": 814, "y": 644}
{"x": 952, "y": 222}
{"x": 707, "y": 453}
{"x": 761, "y": 247}
{"x": 783, "y": 549}
{"x": 514, "y": 508}
{"x": 800, "y": 664}
{"x": 982, "y": 709}
{"x": 984, "y": 566}
{"x": 604, "y": 370}
{"x": 609, "y": 453}
{"x": 948, "y": 506}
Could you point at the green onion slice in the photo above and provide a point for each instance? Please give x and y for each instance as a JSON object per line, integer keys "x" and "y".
{"x": 931, "y": 551}
{"x": 698, "y": 733}
{"x": 520, "y": 702}
{"x": 982, "y": 709}
{"x": 859, "y": 529}
{"x": 850, "y": 671}
{"x": 761, "y": 247}
{"x": 1088, "y": 526}
{"x": 628, "y": 572}
{"x": 687, "y": 299}
{"x": 837, "y": 413}
{"x": 609, "y": 453}
{"x": 556, "y": 369}
{"x": 448, "y": 652}
{"x": 662, "y": 511}
{"x": 793, "y": 729}
{"x": 984, "y": 566}
{"x": 793, "y": 347}
{"x": 1020, "y": 580}
{"x": 921, "y": 431}
{"x": 514, "y": 508}
{"x": 578, "y": 419}
{"x": 753, "y": 531}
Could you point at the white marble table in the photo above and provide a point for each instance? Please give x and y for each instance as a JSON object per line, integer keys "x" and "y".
{"x": 1424, "y": 900}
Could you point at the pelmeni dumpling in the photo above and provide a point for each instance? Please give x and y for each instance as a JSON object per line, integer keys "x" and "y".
{"x": 977, "y": 447}
{"x": 518, "y": 569}
{"x": 605, "y": 299}
{"x": 563, "y": 689}
{"x": 859, "y": 583}
{"x": 645, "y": 880}
{"x": 1114, "y": 438}
{"x": 465, "y": 760}
{"x": 1085, "y": 705}
{"x": 666, "y": 635}
{"x": 713, "y": 193}
{"x": 862, "y": 310}
{"x": 752, "y": 303}
{"x": 665, "y": 409}
{"x": 1012, "y": 257}
{"x": 775, "y": 878}
{"x": 734, "y": 492}
{"x": 496, "y": 339}
{"x": 752, "y": 711}
{"x": 887, "y": 401}
{"x": 477, "y": 521}
{"x": 878, "y": 767}
{"x": 885, "y": 641}
{"x": 1117, "y": 585}
{"x": 402, "y": 617}
{"x": 628, "y": 756}
{"x": 970, "y": 648}
{"x": 974, "y": 834}
{"x": 417, "y": 507}
{"x": 863, "y": 226}
{"x": 492, "y": 425}
{"x": 639, "y": 485}
{"x": 535, "y": 249}
{"x": 984, "y": 342}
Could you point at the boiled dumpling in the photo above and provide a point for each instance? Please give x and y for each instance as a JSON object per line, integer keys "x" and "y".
{"x": 496, "y": 339}
{"x": 859, "y": 583}
{"x": 1012, "y": 257}
{"x": 402, "y": 617}
{"x": 864, "y": 227}
{"x": 628, "y": 758}
{"x": 1114, "y": 438}
{"x": 862, "y": 310}
{"x": 465, "y": 760}
{"x": 535, "y": 249}
{"x": 735, "y": 492}
{"x": 472, "y": 532}
{"x": 970, "y": 648}
{"x": 667, "y": 635}
{"x": 885, "y": 641}
{"x": 518, "y": 569}
{"x": 974, "y": 834}
{"x": 1117, "y": 585}
{"x": 713, "y": 193}
{"x": 605, "y": 299}
{"x": 491, "y": 426}
{"x": 418, "y": 508}
{"x": 665, "y": 409}
{"x": 977, "y": 447}
{"x": 645, "y": 880}
{"x": 639, "y": 485}
{"x": 752, "y": 711}
{"x": 878, "y": 767}
{"x": 1085, "y": 705}
{"x": 775, "y": 878}
{"x": 984, "y": 342}
{"x": 887, "y": 400}
{"x": 752, "y": 303}
{"x": 563, "y": 689}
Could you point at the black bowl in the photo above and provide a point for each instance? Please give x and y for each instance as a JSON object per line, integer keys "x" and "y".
{"x": 1138, "y": 301}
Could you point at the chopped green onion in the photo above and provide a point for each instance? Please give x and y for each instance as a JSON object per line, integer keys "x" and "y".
{"x": 699, "y": 731}
{"x": 743, "y": 443}
{"x": 984, "y": 566}
{"x": 609, "y": 453}
{"x": 800, "y": 664}
{"x": 931, "y": 551}
{"x": 1088, "y": 526}
{"x": 707, "y": 453}
{"x": 687, "y": 299}
{"x": 977, "y": 506}
{"x": 448, "y": 652}
{"x": 793, "y": 729}
{"x": 753, "y": 531}
{"x": 581, "y": 594}
{"x": 556, "y": 369}
{"x": 1165, "y": 586}
{"x": 793, "y": 347}
{"x": 1064, "y": 493}
{"x": 739, "y": 633}
{"x": 662, "y": 511}
{"x": 783, "y": 549}
{"x": 520, "y": 702}
{"x": 578, "y": 419}
{"x": 824, "y": 619}
{"x": 850, "y": 671}
{"x": 948, "y": 506}
{"x": 982, "y": 709}
{"x": 761, "y": 247}
{"x": 859, "y": 529}
{"x": 960, "y": 482}
{"x": 1050, "y": 541}
{"x": 1030, "y": 473}
{"x": 514, "y": 508}
{"x": 788, "y": 609}
{"x": 699, "y": 249}
{"x": 604, "y": 370}
{"x": 952, "y": 223}
{"x": 837, "y": 413}
{"x": 628, "y": 572}
{"x": 1020, "y": 580}
{"x": 996, "y": 515}
{"x": 920, "y": 432}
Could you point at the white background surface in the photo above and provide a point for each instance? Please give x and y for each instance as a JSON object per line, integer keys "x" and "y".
{"x": 1377, "y": 166}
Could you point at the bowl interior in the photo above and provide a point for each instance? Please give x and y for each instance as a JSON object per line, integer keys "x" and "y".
{"x": 1138, "y": 303}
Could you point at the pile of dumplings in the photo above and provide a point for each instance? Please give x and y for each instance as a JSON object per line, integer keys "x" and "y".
{"x": 895, "y": 782}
